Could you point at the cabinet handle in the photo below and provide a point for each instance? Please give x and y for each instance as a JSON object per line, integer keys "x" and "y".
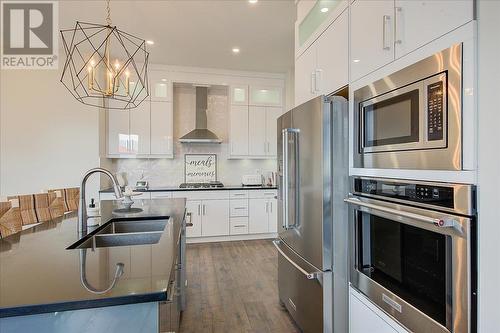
{"x": 399, "y": 27}
{"x": 239, "y": 226}
{"x": 267, "y": 207}
{"x": 240, "y": 208}
{"x": 265, "y": 147}
{"x": 199, "y": 210}
{"x": 313, "y": 82}
{"x": 317, "y": 80}
{"x": 271, "y": 205}
{"x": 238, "y": 194}
{"x": 204, "y": 210}
{"x": 385, "y": 39}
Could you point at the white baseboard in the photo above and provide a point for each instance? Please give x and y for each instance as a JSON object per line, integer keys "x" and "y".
{"x": 194, "y": 240}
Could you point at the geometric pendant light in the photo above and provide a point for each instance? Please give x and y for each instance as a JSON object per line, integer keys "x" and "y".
{"x": 105, "y": 67}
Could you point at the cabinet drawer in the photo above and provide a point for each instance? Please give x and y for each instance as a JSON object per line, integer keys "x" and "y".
{"x": 202, "y": 195}
{"x": 161, "y": 195}
{"x": 238, "y": 194}
{"x": 268, "y": 194}
{"x": 238, "y": 226}
{"x": 238, "y": 207}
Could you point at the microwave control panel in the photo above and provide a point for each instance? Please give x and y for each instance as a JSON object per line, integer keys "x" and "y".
{"x": 435, "y": 108}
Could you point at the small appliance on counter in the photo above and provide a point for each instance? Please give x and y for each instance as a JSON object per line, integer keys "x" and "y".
{"x": 141, "y": 185}
{"x": 251, "y": 180}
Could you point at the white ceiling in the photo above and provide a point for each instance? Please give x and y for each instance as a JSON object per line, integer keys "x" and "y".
{"x": 201, "y": 32}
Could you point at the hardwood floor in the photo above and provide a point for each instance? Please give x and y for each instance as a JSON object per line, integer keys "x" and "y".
{"x": 233, "y": 287}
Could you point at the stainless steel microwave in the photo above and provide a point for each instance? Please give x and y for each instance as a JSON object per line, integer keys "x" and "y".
{"x": 412, "y": 119}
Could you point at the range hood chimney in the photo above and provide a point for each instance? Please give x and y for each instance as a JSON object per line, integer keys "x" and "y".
{"x": 201, "y": 134}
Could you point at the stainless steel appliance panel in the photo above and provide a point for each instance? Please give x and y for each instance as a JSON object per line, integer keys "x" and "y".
{"x": 303, "y": 297}
{"x": 446, "y": 257}
{"x": 425, "y": 153}
{"x": 306, "y": 187}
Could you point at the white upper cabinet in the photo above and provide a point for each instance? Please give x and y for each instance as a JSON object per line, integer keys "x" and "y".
{"x": 118, "y": 132}
{"x": 160, "y": 88}
{"x": 262, "y": 123}
{"x": 272, "y": 114}
{"x": 139, "y": 137}
{"x": 419, "y": 22}
{"x": 239, "y": 94}
{"x": 266, "y": 95}
{"x": 145, "y": 131}
{"x": 162, "y": 130}
{"x": 323, "y": 67}
{"x": 305, "y": 67}
{"x": 257, "y": 142}
{"x": 238, "y": 130}
{"x": 372, "y": 38}
{"x": 333, "y": 56}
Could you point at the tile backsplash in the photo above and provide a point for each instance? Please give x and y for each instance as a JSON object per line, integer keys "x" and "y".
{"x": 170, "y": 172}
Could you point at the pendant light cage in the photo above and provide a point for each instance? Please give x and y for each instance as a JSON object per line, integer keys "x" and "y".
{"x": 105, "y": 67}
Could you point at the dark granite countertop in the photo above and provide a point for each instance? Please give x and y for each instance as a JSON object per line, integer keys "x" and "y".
{"x": 39, "y": 275}
{"x": 225, "y": 188}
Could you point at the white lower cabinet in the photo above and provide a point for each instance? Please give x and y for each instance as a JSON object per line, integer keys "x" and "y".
{"x": 365, "y": 317}
{"x": 262, "y": 212}
{"x": 193, "y": 209}
{"x": 215, "y": 217}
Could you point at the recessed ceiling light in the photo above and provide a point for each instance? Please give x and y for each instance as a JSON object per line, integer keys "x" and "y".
{"x": 236, "y": 50}
{"x": 356, "y": 60}
{"x": 150, "y": 42}
{"x": 164, "y": 80}
{"x": 253, "y": 1}
{"x": 324, "y": 10}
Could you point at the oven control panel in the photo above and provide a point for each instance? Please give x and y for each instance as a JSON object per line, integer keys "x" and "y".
{"x": 429, "y": 194}
{"x": 435, "y": 109}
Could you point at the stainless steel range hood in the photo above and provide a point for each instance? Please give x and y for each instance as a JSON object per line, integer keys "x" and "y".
{"x": 201, "y": 134}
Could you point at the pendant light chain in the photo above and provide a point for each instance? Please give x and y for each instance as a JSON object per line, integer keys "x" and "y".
{"x": 108, "y": 10}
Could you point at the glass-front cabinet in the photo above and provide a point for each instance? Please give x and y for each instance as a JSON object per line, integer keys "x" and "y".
{"x": 266, "y": 95}
{"x": 239, "y": 94}
{"x": 160, "y": 88}
{"x": 314, "y": 19}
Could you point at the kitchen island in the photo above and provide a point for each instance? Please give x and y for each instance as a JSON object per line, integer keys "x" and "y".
{"x": 46, "y": 287}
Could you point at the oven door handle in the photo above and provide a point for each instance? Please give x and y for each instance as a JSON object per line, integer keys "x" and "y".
{"x": 438, "y": 222}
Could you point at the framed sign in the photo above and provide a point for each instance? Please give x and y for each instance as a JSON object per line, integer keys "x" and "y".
{"x": 200, "y": 168}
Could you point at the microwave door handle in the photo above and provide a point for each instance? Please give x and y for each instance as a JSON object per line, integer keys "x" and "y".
{"x": 310, "y": 276}
{"x": 438, "y": 222}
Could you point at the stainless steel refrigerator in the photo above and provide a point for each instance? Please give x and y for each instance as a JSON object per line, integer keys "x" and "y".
{"x": 312, "y": 218}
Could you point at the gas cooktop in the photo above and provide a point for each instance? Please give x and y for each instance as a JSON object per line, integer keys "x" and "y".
{"x": 202, "y": 185}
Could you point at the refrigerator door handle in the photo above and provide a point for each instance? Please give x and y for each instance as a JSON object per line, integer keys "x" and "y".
{"x": 287, "y": 176}
{"x": 310, "y": 276}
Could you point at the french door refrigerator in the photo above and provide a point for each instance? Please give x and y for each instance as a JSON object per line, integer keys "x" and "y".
{"x": 312, "y": 218}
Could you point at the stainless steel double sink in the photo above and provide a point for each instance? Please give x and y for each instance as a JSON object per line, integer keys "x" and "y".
{"x": 123, "y": 233}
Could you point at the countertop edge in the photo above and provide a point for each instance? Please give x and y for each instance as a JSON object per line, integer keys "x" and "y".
{"x": 26, "y": 310}
{"x": 177, "y": 189}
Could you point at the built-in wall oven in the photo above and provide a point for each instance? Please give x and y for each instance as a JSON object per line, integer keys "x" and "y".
{"x": 413, "y": 251}
{"x": 412, "y": 119}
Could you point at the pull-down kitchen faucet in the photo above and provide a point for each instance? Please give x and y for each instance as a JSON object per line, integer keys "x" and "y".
{"x": 82, "y": 209}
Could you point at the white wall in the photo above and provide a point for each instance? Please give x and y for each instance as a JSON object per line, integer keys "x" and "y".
{"x": 47, "y": 138}
{"x": 489, "y": 165}
{"x": 170, "y": 172}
